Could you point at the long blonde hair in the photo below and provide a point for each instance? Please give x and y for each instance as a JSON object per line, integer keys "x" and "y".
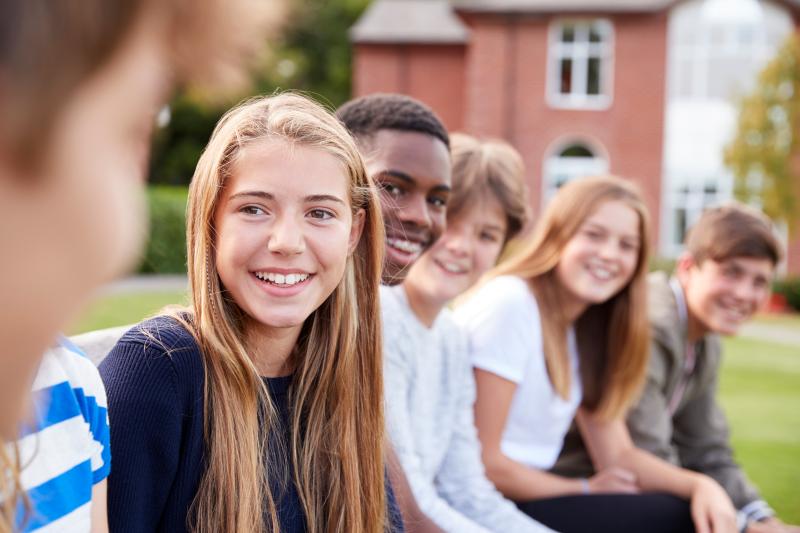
{"x": 612, "y": 336}
{"x": 337, "y": 422}
{"x": 10, "y": 487}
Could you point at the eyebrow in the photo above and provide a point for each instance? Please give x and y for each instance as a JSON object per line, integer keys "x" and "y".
{"x": 597, "y": 225}
{"x": 498, "y": 229}
{"x": 408, "y": 179}
{"x": 268, "y": 196}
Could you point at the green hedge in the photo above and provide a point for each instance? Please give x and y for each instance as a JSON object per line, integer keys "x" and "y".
{"x": 790, "y": 289}
{"x": 166, "y": 248}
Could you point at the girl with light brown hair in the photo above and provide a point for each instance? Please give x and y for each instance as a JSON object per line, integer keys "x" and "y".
{"x": 259, "y": 407}
{"x": 560, "y": 331}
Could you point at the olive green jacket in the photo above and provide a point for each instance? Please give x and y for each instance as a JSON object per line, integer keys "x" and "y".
{"x": 696, "y": 436}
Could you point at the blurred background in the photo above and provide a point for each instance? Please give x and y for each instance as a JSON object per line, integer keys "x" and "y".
{"x": 698, "y": 101}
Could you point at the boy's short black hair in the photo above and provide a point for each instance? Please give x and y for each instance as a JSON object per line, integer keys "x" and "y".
{"x": 366, "y": 115}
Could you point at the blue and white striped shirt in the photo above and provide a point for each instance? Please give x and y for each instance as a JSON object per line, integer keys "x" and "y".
{"x": 65, "y": 450}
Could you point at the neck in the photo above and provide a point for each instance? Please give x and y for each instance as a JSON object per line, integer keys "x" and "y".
{"x": 270, "y": 349}
{"x": 571, "y": 307}
{"x": 425, "y": 308}
{"x": 695, "y": 329}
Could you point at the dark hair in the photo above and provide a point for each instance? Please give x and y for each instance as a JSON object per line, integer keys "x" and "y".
{"x": 733, "y": 230}
{"x": 366, "y": 115}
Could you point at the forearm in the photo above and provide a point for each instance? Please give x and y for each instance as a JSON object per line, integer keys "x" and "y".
{"x": 655, "y": 474}
{"x": 522, "y": 483}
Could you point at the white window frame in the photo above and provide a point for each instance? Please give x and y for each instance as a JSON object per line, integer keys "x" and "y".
{"x": 574, "y": 167}
{"x": 580, "y": 51}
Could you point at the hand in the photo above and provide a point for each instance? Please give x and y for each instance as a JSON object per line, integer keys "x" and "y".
{"x": 712, "y": 510}
{"x": 613, "y": 479}
{"x": 771, "y": 525}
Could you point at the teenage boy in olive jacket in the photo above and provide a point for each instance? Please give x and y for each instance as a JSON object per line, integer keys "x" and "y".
{"x": 720, "y": 281}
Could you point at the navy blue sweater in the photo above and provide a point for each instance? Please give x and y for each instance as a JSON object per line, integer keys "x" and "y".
{"x": 155, "y": 381}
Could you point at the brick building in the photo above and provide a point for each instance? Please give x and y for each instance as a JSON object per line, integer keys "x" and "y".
{"x": 645, "y": 89}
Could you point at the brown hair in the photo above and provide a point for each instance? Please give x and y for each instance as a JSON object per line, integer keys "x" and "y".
{"x": 493, "y": 167}
{"x": 612, "y": 336}
{"x": 48, "y": 49}
{"x": 10, "y": 487}
{"x": 733, "y": 230}
{"x": 337, "y": 422}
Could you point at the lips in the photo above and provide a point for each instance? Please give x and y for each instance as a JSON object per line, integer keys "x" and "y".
{"x": 407, "y": 246}
{"x": 451, "y": 267}
{"x": 601, "y": 273}
{"x": 282, "y": 278}
{"x": 733, "y": 313}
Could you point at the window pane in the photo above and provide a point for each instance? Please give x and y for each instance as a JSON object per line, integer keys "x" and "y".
{"x": 680, "y": 225}
{"x": 566, "y": 76}
{"x": 576, "y": 150}
{"x": 595, "y": 35}
{"x": 568, "y": 33}
{"x": 593, "y": 76}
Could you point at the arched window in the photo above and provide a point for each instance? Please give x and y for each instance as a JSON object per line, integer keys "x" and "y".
{"x": 571, "y": 161}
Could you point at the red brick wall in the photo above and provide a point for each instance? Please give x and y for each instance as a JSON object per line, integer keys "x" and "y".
{"x": 431, "y": 73}
{"x": 793, "y": 258}
{"x": 506, "y": 97}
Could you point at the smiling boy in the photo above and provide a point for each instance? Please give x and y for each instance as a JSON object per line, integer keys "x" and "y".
{"x": 407, "y": 152}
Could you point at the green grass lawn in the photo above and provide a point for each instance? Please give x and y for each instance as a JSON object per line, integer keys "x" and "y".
{"x": 121, "y": 309}
{"x": 759, "y": 389}
{"x": 760, "y": 392}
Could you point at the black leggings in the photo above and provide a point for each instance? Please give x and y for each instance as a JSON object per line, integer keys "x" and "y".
{"x": 612, "y": 513}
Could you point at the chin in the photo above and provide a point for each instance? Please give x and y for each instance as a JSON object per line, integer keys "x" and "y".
{"x": 727, "y": 329}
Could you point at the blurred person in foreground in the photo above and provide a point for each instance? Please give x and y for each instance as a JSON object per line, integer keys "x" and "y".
{"x": 80, "y": 85}
{"x": 720, "y": 281}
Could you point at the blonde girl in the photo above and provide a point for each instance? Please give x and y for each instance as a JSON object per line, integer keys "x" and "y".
{"x": 560, "y": 332}
{"x": 259, "y": 407}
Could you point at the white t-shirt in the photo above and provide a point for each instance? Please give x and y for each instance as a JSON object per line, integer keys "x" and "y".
{"x": 504, "y": 334}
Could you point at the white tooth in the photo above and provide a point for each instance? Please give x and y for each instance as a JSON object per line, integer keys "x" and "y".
{"x": 280, "y": 279}
{"x": 270, "y": 277}
{"x": 290, "y": 279}
{"x": 302, "y": 277}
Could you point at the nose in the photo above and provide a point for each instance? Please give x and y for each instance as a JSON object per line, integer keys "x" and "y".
{"x": 286, "y": 237}
{"x": 416, "y": 211}
{"x": 745, "y": 290}
{"x": 609, "y": 249}
{"x": 456, "y": 242}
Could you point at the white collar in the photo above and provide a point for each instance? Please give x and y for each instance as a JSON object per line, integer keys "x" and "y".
{"x": 680, "y": 299}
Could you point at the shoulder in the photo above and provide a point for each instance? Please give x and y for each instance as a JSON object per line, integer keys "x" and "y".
{"x": 662, "y": 312}
{"x": 65, "y": 362}
{"x": 393, "y": 302}
{"x": 157, "y": 350}
{"x": 505, "y": 298}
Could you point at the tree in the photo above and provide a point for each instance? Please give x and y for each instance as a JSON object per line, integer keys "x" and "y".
{"x": 312, "y": 54}
{"x": 764, "y": 156}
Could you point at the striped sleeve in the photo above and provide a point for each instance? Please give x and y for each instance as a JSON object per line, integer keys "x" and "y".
{"x": 91, "y": 396}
